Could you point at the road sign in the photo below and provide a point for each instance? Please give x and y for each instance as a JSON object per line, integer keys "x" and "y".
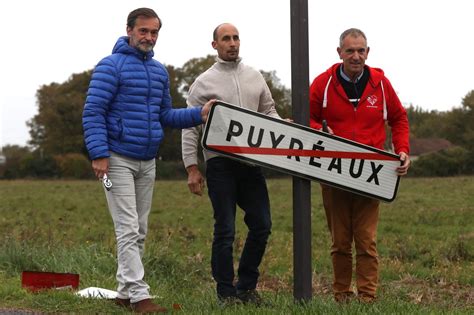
{"x": 301, "y": 151}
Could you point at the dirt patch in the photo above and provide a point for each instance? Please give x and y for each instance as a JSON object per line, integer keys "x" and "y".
{"x": 426, "y": 292}
{"x": 415, "y": 290}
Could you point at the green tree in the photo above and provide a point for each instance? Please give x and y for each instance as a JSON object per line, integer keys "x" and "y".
{"x": 468, "y": 134}
{"x": 175, "y": 81}
{"x": 13, "y": 154}
{"x": 468, "y": 106}
{"x": 57, "y": 128}
{"x": 22, "y": 162}
{"x": 191, "y": 70}
{"x": 180, "y": 81}
{"x": 457, "y": 125}
{"x": 425, "y": 124}
{"x": 281, "y": 94}
{"x": 172, "y": 141}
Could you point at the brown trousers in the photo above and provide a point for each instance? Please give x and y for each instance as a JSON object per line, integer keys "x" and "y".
{"x": 352, "y": 218}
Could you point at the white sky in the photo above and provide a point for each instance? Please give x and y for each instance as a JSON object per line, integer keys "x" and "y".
{"x": 424, "y": 47}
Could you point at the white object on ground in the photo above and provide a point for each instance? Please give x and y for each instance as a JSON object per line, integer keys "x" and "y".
{"x": 100, "y": 293}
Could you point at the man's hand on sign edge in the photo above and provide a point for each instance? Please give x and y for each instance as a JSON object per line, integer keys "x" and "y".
{"x": 403, "y": 169}
{"x": 195, "y": 180}
{"x": 205, "y": 109}
{"x": 329, "y": 130}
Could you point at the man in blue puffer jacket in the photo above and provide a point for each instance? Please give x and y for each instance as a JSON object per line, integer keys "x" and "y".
{"x": 127, "y": 105}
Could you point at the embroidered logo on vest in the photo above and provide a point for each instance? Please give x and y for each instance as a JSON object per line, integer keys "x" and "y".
{"x": 372, "y": 99}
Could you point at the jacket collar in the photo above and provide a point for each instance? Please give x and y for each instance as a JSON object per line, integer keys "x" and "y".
{"x": 375, "y": 74}
{"x": 122, "y": 47}
{"x": 346, "y": 77}
{"x": 229, "y": 64}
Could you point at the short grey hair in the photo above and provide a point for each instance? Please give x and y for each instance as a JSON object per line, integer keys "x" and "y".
{"x": 145, "y": 12}
{"x": 351, "y": 32}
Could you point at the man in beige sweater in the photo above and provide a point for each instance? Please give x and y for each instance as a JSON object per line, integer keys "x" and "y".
{"x": 231, "y": 183}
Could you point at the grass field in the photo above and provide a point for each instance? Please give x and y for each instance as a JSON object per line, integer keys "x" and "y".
{"x": 425, "y": 241}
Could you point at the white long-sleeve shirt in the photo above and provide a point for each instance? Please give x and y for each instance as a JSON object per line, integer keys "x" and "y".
{"x": 231, "y": 82}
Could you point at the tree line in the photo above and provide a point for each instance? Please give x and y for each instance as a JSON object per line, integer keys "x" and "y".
{"x": 56, "y": 148}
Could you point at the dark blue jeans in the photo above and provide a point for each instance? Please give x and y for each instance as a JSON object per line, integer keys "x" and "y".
{"x": 231, "y": 183}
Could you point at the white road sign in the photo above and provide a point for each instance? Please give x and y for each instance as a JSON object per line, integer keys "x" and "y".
{"x": 301, "y": 151}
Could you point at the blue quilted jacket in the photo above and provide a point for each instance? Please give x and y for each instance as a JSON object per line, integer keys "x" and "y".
{"x": 128, "y": 103}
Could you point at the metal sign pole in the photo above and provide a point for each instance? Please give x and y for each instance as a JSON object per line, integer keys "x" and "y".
{"x": 302, "y": 287}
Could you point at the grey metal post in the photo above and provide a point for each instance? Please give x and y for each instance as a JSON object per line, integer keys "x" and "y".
{"x": 302, "y": 271}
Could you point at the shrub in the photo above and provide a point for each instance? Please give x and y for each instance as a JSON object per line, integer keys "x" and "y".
{"x": 33, "y": 165}
{"x": 449, "y": 162}
{"x": 170, "y": 170}
{"x": 74, "y": 165}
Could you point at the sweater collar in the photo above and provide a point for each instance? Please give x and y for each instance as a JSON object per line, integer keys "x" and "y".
{"x": 229, "y": 63}
{"x": 346, "y": 77}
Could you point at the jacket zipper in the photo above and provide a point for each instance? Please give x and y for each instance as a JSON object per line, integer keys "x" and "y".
{"x": 355, "y": 122}
{"x": 237, "y": 84}
{"x": 148, "y": 104}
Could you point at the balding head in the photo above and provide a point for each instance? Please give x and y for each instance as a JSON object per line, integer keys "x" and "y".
{"x": 216, "y": 30}
{"x": 226, "y": 41}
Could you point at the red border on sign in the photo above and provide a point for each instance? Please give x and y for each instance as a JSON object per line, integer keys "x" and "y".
{"x": 299, "y": 152}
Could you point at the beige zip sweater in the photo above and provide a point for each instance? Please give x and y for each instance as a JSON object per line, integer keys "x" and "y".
{"x": 231, "y": 82}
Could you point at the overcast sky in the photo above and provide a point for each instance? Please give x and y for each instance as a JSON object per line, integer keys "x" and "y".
{"x": 424, "y": 47}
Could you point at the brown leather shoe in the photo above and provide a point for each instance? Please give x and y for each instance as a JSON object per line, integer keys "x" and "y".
{"x": 147, "y": 306}
{"x": 366, "y": 298}
{"x": 122, "y": 302}
{"x": 344, "y": 297}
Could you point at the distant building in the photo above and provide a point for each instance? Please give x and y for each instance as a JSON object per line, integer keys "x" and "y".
{"x": 422, "y": 146}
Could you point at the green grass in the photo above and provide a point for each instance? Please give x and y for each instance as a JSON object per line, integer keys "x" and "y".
{"x": 425, "y": 241}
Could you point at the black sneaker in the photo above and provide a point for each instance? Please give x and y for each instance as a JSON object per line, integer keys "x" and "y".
{"x": 250, "y": 297}
{"x": 228, "y": 301}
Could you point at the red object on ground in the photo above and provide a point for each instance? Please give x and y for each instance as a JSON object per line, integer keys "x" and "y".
{"x": 37, "y": 280}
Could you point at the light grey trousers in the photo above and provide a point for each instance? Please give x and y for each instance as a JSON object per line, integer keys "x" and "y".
{"x": 129, "y": 202}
